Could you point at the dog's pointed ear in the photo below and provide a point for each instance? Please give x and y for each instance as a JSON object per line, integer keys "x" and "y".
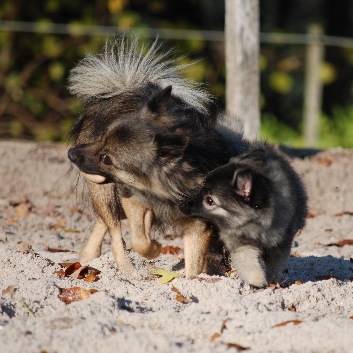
{"x": 171, "y": 145}
{"x": 161, "y": 100}
{"x": 243, "y": 183}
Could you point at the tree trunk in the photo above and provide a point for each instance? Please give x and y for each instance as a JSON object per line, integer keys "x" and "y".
{"x": 242, "y": 63}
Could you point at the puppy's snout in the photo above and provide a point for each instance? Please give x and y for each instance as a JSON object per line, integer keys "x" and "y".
{"x": 75, "y": 156}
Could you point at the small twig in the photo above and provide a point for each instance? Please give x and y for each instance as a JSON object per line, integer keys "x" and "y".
{"x": 30, "y": 313}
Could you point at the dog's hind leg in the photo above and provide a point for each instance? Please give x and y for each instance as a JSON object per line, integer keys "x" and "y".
{"x": 197, "y": 236}
{"x": 107, "y": 205}
{"x": 140, "y": 220}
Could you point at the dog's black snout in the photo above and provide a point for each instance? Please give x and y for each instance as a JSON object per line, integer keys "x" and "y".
{"x": 74, "y": 155}
{"x": 185, "y": 207}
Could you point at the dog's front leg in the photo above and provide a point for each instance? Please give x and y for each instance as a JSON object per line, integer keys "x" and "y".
{"x": 140, "y": 220}
{"x": 197, "y": 236}
{"x": 107, "y": 205}
{"x": 93, "y": 248}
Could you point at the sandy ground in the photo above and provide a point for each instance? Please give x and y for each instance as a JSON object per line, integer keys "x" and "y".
{"x": 311, "y": 312}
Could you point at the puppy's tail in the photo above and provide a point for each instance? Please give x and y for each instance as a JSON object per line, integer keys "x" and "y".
{"x": 125, "y": 66}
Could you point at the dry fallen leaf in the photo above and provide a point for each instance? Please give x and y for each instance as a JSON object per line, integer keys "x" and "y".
{"x": 9, "y": 290}
{"x": 215, "y": 336}
{"x": 294, "y": 322}
{"x": 325, "y": 162}
{"x": 24, "y": 247}
{"x": 77, "y": 271}
{"x": 22, "y": 208}
{"x": 179, "y": 297}
{"x": 311, "y": 215}
{"x": 235, "y": 345}
{"x": 172, "y": 250}
{"x": 209, "y": 280}
{"x": 165, "y": 275}
{"x": 342, "y": 243}
{"x": 69, "y": 295}
{"x": 349, "y": 213}
{"x": 58, "y": 250}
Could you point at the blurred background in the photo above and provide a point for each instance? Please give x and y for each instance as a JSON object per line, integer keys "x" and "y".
{"x": 40, "y": 41}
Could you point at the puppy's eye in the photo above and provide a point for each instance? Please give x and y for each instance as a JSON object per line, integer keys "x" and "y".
{"x": 105, "y": 159}
{"x": 209, "y": 201}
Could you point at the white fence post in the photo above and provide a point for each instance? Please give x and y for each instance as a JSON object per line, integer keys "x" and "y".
{"x": 242, "y": 63}
{"x": 313, "y": 87}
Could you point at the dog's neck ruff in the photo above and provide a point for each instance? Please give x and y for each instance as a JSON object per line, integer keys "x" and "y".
{"x": 123, "y": 67}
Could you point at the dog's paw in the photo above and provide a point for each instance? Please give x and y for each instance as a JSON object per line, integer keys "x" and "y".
{"x": 149, "y": 250}
{"x": 86, "y": 255}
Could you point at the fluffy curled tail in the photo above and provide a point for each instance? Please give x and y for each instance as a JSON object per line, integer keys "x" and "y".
{"x": 125, "y": 66}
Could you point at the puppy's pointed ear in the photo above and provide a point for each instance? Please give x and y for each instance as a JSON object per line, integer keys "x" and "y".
{"x": 161, "y": 100}
{"x": 243, "y": 183}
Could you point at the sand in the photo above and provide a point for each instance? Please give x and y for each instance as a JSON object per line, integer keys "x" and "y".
{"x": 312, "y": 311}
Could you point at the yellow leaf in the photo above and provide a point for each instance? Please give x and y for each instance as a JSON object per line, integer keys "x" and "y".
{"x": 165, "y": 275}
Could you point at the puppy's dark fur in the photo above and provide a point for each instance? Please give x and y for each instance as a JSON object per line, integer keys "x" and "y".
{"x": 258, "y": 203}
{"x": 151, "y": 146}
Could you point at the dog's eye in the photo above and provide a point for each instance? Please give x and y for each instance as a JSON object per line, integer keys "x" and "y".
{"x": 209, "y": 201}
{"x": 105, "y": 159}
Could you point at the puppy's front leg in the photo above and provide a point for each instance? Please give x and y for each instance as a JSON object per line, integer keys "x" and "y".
{"x": 197, "y": 236}
{"x": 248, "y": 263}
{"x": 140, "y": 220}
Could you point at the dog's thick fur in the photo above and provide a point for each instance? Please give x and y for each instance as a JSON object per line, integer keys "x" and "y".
{"x": 258, "y": 203}
{"x": 146, "y": 132}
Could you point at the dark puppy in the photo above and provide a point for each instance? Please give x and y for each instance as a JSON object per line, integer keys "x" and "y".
{"x": 258, "y": 203}
{"x": 144, "y": 142}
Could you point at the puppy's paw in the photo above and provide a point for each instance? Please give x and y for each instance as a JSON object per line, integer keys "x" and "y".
{"x": 255, "y": 278}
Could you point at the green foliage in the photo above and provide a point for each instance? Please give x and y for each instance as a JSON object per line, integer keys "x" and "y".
{"x": 337, "y": 130}
{"x": 35, "y": 104}
{"x": 274, "y": 131}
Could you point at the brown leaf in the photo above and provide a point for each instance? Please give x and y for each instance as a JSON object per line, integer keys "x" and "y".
{"x": 292, "y": 308}
{"x": 172, "y": 250}
{"x": 179, "y": 297}
{"x": 209, "y": 280}
{"x": 10, "y": 220}
{"x": 235, "y": 345}
{"x": 325, "y": 162}
{"x": 69, "y": 295}
{"x": 351, "y": 317}
{"x": 72, "y": 268}
{"x": 349, "y": 213}
{"x": 92, "y": 277}
{"x": 24, "y": 247}
{"x": 224, "y": 325}
{"x": 297, "y": 282}
{"x": 215, "y": 336}
{"x": 77, "y": 271}
{"x": 311, "y": 215}
{"x": 58, "y": 250}
{"x": 295, "y": 254}
{"x": 294, "y": 322}
{"x": 342, "y": 243}
{"x": 9, "y": 290}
